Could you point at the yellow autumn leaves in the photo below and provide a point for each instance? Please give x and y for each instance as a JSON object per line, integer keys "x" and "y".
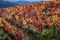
{"x": 1, "y": 23}
{"x": 56, "y": 19}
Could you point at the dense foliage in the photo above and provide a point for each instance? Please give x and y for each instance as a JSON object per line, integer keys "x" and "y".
{"x": 38, "y": 21}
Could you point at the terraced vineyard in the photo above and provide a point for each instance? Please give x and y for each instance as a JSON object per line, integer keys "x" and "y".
{"x": 37, "y": 21}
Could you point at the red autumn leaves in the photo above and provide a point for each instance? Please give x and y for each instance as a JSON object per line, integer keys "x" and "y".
{"x": 30, "y": 13}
